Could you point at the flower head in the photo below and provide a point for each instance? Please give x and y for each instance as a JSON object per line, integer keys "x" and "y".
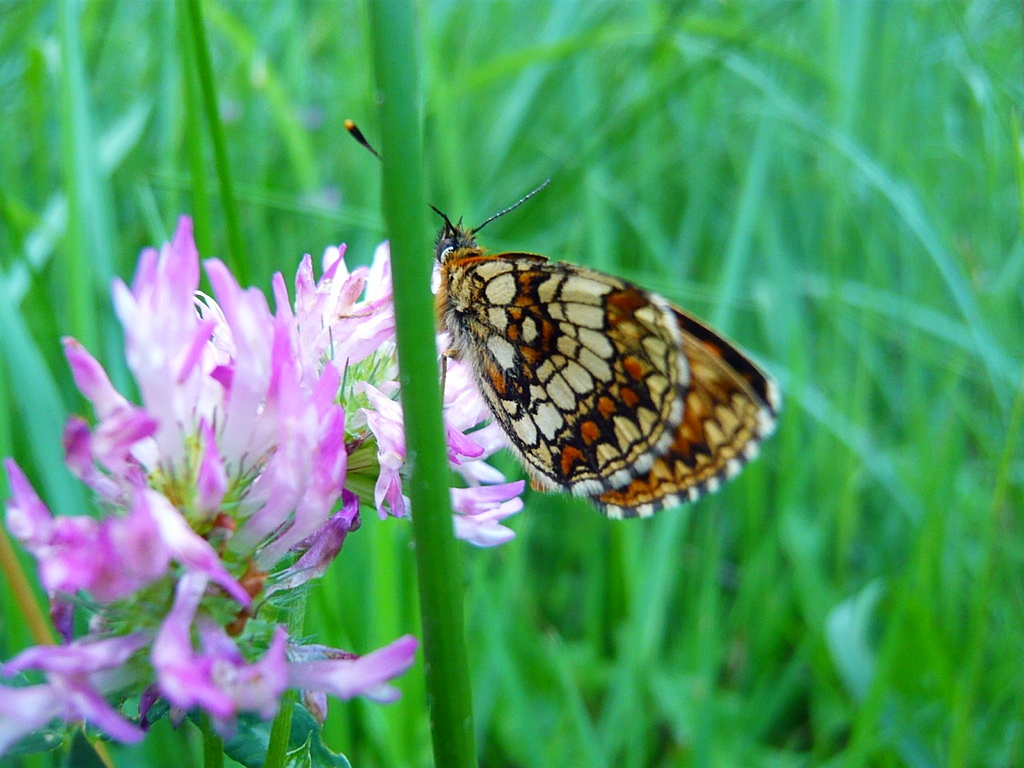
{"x": 232, "y": 482}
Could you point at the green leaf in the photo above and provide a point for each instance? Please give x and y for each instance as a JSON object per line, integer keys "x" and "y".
{"x": 41, "y": 740}
{"x": 306, "y": 748}
{"x": 848, "y": 629}
{"x": 83, "y": 754}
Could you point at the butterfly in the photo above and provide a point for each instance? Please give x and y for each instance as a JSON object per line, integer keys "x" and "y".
{"x": 603, "y": 389}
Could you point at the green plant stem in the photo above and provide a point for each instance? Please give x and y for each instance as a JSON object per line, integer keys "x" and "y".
{"x": 192, "y": 126}
{"x": 281, "y": 730}
{"x": 437, "y": 558}
{"x": 76, "y": 134}
{"x": 236, "y": 246}
{"x": 213, "y": 745}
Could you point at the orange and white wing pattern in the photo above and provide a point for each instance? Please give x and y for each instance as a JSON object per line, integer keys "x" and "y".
{"x": 729, "y": 409}
{"x": 603, "y": 389}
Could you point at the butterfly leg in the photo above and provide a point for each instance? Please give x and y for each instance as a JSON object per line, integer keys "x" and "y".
{"x": 445, "y": 356}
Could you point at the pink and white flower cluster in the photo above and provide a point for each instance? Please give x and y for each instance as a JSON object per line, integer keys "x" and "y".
{"x": 235, "y": 480}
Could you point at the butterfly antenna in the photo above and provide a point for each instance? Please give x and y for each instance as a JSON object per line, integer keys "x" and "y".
{"x": 353, "y": 129}
{"x": 512, "y": 207}
{"x": 444, "y": 216}
{"x": 357, "y": 134}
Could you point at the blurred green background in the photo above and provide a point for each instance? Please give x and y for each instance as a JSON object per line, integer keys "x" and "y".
{"x": 836, "y": 185}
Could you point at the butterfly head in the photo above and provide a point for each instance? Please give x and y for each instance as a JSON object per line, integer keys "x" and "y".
{"x": 452, "y": 237}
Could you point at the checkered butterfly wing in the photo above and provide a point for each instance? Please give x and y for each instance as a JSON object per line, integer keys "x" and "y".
{"x": 584, "y": 372}
{"x": 730, "y": 408}
{"x": 603, "y": 389}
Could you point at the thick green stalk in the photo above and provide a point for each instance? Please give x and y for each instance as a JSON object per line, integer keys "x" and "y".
{"x": 437, "y": 558}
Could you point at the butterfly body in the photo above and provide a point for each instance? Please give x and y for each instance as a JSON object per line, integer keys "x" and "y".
{"x": 604, "y": 389}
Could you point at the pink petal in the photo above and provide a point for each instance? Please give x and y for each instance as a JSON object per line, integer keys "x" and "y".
{"x": 92, "y": 380}
{"x": 212, "y": 478}
{"x": 28, "y": 519}
{"x": 80, "y": 657}
{"x": 188, "y": 548}
{"x": 184, "y": 678}
{"x": 365, "y": 675}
